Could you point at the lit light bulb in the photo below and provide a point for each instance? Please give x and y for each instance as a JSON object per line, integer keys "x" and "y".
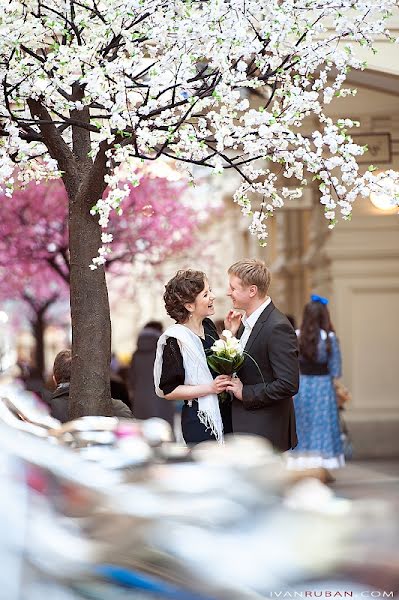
{"x": 385, "y": 200}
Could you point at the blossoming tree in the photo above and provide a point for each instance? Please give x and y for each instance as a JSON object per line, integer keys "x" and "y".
{"x": 88, "y": 85}
{"x": 34, "y": 258}
{"x": 37, "y": 291}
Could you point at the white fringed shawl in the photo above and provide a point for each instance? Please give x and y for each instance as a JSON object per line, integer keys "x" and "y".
{"x": 196, "y": 373}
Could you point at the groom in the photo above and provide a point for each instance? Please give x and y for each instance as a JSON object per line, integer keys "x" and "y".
{"x": 262, "y": 402}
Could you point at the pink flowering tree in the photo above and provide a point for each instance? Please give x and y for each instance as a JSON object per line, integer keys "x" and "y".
{"x": 156, "y": 222}
{"x": 36, "y": 290}
{"x": 34, "y": 231}
{"x": 87, "y": 86}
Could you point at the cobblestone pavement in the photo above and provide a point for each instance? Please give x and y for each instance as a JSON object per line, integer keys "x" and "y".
{"x": 369, "y": 479}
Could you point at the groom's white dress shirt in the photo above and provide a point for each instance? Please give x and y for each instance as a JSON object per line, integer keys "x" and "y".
{"x": 249, "y": 322}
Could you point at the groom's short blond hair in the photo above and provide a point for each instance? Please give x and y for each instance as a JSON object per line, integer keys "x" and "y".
{"x": 252, "y": 271}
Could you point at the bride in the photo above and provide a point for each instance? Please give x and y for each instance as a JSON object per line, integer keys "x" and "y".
{"x": 181, "y": 371}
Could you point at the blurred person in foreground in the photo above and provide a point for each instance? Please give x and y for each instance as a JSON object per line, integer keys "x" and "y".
{"x": 59, "y": 404}
{"x": 319, "y": 435}
{"x": 181, "y": 370}
{"x": 269, "y": 377}
{"x": 143, "y": 399}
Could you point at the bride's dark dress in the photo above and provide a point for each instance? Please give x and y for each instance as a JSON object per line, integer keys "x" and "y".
{"x": 173, "y": 375}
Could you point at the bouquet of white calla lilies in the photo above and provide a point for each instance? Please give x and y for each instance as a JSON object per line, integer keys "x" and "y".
{"x": 226, "y": 356}
{"x": 228, "y": 346}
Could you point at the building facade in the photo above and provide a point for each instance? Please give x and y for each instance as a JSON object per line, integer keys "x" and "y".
{"x": 356, "y": 266}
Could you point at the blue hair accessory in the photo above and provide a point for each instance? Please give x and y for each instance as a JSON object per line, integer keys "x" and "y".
{"x": 316, "y": 298}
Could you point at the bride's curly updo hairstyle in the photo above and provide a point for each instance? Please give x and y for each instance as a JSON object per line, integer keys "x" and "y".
{"x": 182, "y": 289}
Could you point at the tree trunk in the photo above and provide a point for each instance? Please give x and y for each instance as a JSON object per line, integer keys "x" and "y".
{"x": 38, "y": 323}
{"x": 91, "y": 325}
{"x": 38, "y": 334}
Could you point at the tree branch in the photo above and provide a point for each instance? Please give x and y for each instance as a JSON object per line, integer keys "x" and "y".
{"x": 40, "y": 309}
{"x": 57, "y": 147}
{"x": 56, "y": 267}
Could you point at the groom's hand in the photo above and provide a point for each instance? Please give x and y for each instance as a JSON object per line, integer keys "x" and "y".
{"x": 232, "y": 321}
{"x": 235, "y": 386}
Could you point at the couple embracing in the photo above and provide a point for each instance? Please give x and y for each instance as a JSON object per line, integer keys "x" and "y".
{"x": 268, "y": 379}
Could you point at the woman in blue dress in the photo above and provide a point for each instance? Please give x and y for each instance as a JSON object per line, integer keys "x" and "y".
{"x": 316, "y": 411}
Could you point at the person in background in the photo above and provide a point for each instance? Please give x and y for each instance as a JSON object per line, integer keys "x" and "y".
{"x": 59, "y": 402}
{"x": 115, "y": 365}
{"x": 119, "y": 389}
{"x": 143, "y": 399}
{"x": 317, "y": 419}
{"x": 118, "y": 383}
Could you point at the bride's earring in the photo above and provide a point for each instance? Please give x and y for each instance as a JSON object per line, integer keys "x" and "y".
{"x": 190, "y": 315}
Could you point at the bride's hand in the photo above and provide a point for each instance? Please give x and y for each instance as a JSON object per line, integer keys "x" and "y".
{"x": 233, "y": 321}
{"x": 220, "y": 383}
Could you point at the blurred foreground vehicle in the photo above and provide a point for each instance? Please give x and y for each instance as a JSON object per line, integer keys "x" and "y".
{"x": 102, "y": 508}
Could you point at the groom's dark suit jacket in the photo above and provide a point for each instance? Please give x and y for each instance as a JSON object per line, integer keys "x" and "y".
{"x": 267, "y": 408}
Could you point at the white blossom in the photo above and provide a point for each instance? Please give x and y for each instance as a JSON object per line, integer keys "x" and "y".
{"x": 175, "y": 78}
